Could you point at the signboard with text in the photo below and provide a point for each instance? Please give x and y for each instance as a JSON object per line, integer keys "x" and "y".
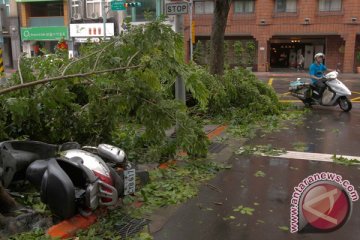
{"x": 118, "y": 5}
{"x": 177, "y": 8}
{"x": 44, "y": 33}
{"x": 88, "y": 30}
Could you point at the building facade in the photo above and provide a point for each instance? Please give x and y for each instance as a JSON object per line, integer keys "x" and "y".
{"x": 86, "y": 21}
{"x": 34, "y": 26}
{"x": 43, "y": 24}
{"x": 9, "y": 35}
{"x": 281, "y": 30}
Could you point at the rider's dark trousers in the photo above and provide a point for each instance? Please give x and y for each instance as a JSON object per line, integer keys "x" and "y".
{"x": 321, "y": 86}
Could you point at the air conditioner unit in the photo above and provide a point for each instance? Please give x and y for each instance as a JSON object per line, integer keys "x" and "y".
{"x": 95, "y": 15}
{"x": 76, "y": 16}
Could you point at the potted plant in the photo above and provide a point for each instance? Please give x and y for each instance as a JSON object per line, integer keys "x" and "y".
{"x": 358, "y": 61}
{"x": 250, "y": 51}
{"x": 239, "y": 53}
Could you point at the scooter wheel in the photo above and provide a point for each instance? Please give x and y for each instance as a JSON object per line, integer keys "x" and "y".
{"x": 345, "y": 104}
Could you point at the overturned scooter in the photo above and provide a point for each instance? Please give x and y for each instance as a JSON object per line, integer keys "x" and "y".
{"x": 335, "y": 93}
{"x": 71, "y": 179}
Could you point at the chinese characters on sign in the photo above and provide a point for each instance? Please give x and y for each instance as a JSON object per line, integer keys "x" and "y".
{"x": 44, "y": 33}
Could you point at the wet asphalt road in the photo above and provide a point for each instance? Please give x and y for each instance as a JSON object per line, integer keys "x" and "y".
{"x": 211, "y": 214}
{"x": 270, "y": 197}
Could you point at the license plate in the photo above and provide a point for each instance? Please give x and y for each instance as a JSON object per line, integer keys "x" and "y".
{"x": 129, "y": 181}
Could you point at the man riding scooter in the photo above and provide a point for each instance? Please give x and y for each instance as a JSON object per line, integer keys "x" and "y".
{"x": 317, "y": 71}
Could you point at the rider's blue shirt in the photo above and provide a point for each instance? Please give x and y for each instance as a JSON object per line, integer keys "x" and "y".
{"x": 317, "y": 70}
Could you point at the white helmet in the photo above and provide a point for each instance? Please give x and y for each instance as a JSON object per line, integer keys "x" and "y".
{"x": 319, "y": 55}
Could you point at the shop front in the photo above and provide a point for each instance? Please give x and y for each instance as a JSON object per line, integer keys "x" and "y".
{"x": 38, "y": 41}
{"x": 291, "y": 53}
{"x": 90, "y": 32}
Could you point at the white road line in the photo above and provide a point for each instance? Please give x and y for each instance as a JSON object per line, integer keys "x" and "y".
{"x": 312, "y": 156}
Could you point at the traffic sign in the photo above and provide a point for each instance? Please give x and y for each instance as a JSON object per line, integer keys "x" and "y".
{"x": 118, "y": 5}
{"x": 177, "y": 8}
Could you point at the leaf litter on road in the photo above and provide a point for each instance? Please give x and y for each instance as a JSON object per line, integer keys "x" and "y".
{"x": 259, "y": 174}
{"x": 244, "y": 210}
{"x": 300, "y": 146}
{"x": 261, "y": 150}
{"x": 345, "y": 161}
{"x": 284, "y": 228}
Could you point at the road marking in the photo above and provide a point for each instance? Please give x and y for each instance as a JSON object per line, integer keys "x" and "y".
{"x": 323, "y": 157}
{"x": 356, "y": 92}
{"x": 355, "y": 100}
{"x": 270, "y": 81}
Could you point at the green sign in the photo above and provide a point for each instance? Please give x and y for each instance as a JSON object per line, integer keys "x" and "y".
{"x": 44, "y": 33}
{"x": 118, "y": 5}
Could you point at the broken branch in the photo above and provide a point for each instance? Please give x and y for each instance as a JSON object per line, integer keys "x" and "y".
{"x": 46, "y": 80}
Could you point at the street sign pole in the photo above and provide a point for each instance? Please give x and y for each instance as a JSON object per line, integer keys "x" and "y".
{"x": 179, "y": 85}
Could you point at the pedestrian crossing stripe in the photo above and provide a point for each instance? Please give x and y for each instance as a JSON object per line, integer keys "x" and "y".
{"x": 323, "y": 157}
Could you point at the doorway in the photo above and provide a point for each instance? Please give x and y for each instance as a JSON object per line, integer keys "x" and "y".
{"x": 285, "y": 55}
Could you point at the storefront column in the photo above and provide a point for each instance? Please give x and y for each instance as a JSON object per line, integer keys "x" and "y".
{"x": 27, "y": 48}
{"x": 349, "y": 55}
{"x": 262, "y": 55}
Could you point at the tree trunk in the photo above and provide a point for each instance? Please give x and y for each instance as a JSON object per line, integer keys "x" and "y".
{"x": 7, "y": 203}
{"x": 221, "y": 12}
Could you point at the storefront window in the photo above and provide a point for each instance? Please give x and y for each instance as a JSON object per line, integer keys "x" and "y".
{"x": 46, "y": 9}
{"x": 285, "y": 6}
{"x": 244, "y": 6}
{"x": 204, "y": 7}
{"x": 329, "y": 5}
{"x": 138, "y": 14}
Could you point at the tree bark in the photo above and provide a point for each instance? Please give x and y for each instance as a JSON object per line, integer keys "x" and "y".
{"x": 221, "y": 12}
{"x": 7, "y": 203}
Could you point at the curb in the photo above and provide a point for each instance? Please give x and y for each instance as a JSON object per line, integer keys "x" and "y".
{"x": 69, "y": 227}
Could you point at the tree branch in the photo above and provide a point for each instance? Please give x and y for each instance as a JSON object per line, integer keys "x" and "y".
{"x": 130, "y": 60}
{"x": 19, "y": 70}
{"x": 98, "y": 57}
{"x": 82, "y": 58}
{"x": 42, "y": 81}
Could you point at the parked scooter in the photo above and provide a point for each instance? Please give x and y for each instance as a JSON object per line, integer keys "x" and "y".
{"x": 335, "y": 92}
{"x": 71, "y": 179}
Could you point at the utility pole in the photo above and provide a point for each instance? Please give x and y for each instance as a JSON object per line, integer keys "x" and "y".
{"x": 180, "y": 85}
{"x": 104, "y": 17}
{"x": 71, "y": 40}
{"x": 190, "y": 31}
